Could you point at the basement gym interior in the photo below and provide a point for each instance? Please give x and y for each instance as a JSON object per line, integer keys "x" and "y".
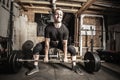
{"x": 94, "y": 31}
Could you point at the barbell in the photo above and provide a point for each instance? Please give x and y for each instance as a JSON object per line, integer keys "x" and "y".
{"x": 92, "y": 62}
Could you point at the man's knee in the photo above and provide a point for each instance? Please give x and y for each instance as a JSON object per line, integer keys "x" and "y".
{"x": 38, "y": 48}
{"x": 71, "y": 50}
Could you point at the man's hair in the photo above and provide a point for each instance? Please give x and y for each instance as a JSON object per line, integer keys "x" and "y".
{"x": 58, "y": 8}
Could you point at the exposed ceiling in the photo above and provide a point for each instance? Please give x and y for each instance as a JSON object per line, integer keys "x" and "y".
{"x": 104, "y": 7}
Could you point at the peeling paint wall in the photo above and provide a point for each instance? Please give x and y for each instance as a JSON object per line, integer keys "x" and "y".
{"x": 4, "y": 19}
{"x": 23, "y": 31}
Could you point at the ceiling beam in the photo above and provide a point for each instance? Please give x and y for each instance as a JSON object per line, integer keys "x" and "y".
{"x": 73, "y": 0}
{"x": 98, "y": 8}
{"x": 70, "y": 4}
{"x": 78, "y": 0}
{"x": 47, "y": 9}
{"x": 108, "y": 5}
{"x": 85, "y": 7}
{"x": 100, "y": 12}
{"x": 33, "y": 2}
{"x": 58, "y": 3}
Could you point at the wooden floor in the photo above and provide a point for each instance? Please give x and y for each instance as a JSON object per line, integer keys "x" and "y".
{"x": 62, "y": 72}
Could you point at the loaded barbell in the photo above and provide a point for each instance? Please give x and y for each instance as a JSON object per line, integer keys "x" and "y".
{"x": 92, "y": 62}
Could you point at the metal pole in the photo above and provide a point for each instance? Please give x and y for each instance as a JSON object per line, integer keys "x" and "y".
{"x": 92, "y": 41}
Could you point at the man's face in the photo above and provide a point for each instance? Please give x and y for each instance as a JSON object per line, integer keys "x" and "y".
{"x": 58, "y": 16}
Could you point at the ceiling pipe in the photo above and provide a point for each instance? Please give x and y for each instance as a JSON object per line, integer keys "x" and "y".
{"x": 53, "y": 5}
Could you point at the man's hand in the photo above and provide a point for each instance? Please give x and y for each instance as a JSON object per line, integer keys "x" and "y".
{"x": 46, "y": 59}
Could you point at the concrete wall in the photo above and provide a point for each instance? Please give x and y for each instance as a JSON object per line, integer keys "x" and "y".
{"x": 4, "y": 20}
{"x": 23, "y": 29}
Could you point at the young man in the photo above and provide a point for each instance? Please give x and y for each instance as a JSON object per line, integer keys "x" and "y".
{"x": 56, "y": 35}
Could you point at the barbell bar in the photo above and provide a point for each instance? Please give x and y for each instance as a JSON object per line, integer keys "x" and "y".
{"x": 53, "y": 60}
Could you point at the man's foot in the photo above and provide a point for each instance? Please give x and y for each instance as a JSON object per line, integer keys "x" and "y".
{"x": 35, "y": 70}
{"x": 46, "y": 60}
{"x": 77, "y": 70}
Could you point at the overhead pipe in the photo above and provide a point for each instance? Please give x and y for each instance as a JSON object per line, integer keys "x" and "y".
{"x": 53, "y": 3}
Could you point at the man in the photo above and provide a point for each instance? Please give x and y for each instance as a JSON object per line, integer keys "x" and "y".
{"x": 56, "y": 35}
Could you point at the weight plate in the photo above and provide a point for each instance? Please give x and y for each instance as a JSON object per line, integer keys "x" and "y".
{"x": 97, "y": 62}
{"x": 27, "y": 45}
{"x": 14, "y": 65}
{"x": 94, "y": 62}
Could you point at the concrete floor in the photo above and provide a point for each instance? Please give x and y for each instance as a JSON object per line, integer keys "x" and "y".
{"x": 54, "y": 71}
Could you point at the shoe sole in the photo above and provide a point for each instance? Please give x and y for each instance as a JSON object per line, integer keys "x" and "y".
{"x": 32, "y": 73}
{"x": 78, "y": 71}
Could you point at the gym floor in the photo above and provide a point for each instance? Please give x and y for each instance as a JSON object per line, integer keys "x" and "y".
{"x": 54, "y": 71}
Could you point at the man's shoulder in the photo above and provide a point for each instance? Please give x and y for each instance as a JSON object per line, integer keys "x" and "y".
{"x": 64, "y": 26}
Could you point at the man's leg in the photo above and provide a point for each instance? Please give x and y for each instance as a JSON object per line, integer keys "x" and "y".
{"x": 36, "y": 67}
{"x": 75, "y": 68}
{"x": 72, "y": 50}
{"x": 38, "y": 48}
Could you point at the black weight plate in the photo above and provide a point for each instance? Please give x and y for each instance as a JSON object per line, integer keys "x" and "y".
{"x": 27, "y": 45}
{"x": 14, "y": 65}
{"x": 97, "y": 62}
{"x": 94, "y": 62}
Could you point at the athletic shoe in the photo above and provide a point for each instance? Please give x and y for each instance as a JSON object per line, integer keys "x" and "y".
{"x": 35, "y": 70}
{"x": 77, "y": 70}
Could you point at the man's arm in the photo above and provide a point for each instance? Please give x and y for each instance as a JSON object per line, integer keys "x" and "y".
{"x": 65, "y": 50}
{"x": 47, "y": 41}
